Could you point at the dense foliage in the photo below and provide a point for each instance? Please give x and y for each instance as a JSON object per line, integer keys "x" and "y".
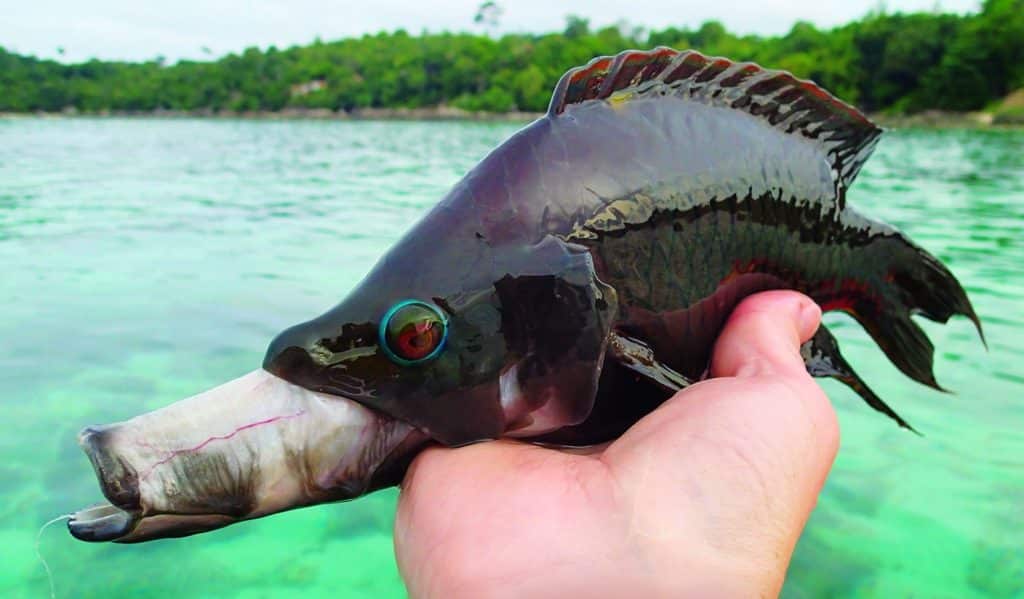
{"x": 899, "y": 62}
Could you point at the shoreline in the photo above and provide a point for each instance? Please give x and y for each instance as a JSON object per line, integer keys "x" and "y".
{"x": 434, "y": 113}
{"x": 931, "y": 119}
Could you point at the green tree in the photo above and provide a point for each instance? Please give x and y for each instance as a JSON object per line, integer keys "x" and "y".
{"x": 900, "y": 62}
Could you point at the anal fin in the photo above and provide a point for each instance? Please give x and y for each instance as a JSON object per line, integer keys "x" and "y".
{"x": 638, "y": 357}
{"x": 822, "y": 358}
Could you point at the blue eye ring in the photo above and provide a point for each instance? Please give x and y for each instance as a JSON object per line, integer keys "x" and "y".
{"x": 382, "y": 332}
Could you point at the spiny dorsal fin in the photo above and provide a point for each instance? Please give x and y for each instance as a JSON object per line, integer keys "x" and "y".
{"x": 795, "y": 106}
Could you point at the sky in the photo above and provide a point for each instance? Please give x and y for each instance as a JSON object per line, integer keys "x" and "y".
{"x": 198, "y": 29}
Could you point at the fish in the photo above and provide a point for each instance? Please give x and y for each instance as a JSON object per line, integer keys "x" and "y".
{"x": 567, "y": 286}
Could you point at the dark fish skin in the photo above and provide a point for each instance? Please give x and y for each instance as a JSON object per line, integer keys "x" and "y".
{"x": 568, "y": 285}
{"x": 588, "y": 264}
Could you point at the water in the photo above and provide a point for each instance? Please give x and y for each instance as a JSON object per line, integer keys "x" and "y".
{"x": 146, "y": 260}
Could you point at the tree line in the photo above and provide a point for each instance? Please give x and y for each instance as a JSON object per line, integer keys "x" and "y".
{"x": 902, "y": 63}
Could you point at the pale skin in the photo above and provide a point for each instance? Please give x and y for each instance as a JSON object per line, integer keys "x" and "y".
{"x": 704, "y": 497}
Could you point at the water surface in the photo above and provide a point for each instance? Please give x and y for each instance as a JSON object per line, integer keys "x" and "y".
{"x": 147, "y": 260}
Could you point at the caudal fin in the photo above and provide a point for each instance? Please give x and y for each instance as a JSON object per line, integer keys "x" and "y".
{"x": 893, "y": 280}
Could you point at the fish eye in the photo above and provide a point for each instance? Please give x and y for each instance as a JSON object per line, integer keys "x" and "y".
{"x": 413, "y": 332}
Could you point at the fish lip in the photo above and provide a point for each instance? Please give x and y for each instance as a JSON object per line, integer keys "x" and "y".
{"x": 119, "y": 481}
{"x": 102, "y": 522}
{"x": 105, "y": 522}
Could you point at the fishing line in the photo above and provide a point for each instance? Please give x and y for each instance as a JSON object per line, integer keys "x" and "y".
{"x": 39, "y": 537}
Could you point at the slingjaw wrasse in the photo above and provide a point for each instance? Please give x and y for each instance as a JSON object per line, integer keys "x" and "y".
{"x": 567, "y": 286}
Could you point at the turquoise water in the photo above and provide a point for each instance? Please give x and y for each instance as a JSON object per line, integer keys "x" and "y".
{"x": 146, "y": 260}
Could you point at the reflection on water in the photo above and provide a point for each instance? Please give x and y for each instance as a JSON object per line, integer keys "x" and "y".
{"x": 146, "y": 260}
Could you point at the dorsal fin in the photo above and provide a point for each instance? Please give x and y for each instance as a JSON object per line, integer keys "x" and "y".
{"x": 792, "y": 105}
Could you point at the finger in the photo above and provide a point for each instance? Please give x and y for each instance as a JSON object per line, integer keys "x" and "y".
{"x": 763, "y": 335}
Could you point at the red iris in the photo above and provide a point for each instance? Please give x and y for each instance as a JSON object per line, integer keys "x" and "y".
{"x": 413, "y": 331}
{"x": 416, "y": 340}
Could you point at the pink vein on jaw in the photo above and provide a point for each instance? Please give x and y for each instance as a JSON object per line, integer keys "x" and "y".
{"x": 171, "y": 454}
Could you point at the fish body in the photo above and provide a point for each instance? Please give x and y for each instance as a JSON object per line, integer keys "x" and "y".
{"x": 569, "y": 284}
{"x": 617, "y": 233}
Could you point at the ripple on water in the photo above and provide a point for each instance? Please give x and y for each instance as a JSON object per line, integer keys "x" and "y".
{"x": 145, "y": 260}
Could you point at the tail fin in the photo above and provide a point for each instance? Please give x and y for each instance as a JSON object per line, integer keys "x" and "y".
{"x": 892, "y": 280}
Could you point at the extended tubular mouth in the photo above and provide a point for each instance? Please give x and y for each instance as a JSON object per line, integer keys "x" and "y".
{"x": 251, "y": 447}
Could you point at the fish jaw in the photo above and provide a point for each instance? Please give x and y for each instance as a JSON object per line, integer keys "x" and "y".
{"x": 251, "y": 447}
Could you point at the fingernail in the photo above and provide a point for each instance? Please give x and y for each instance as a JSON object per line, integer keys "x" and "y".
{"x": 809, "y": 318}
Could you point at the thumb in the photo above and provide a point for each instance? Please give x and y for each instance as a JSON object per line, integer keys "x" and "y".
{"x": 788, "y": 418}
{"x": 763, "y": 335}
{"x": 787, "y": 421}
{"x": 748, "y": 450}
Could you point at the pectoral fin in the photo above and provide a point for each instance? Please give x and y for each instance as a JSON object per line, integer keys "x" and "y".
{"x": 639, "y": 357}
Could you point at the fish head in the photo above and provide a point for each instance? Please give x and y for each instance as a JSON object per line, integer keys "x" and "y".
{"x": 514, "y": 349}
{"x": 448, "y": 343}
{"x": 432, "y": 361}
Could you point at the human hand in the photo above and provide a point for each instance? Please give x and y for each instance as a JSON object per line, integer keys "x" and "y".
{"x": 705, "y": 496}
